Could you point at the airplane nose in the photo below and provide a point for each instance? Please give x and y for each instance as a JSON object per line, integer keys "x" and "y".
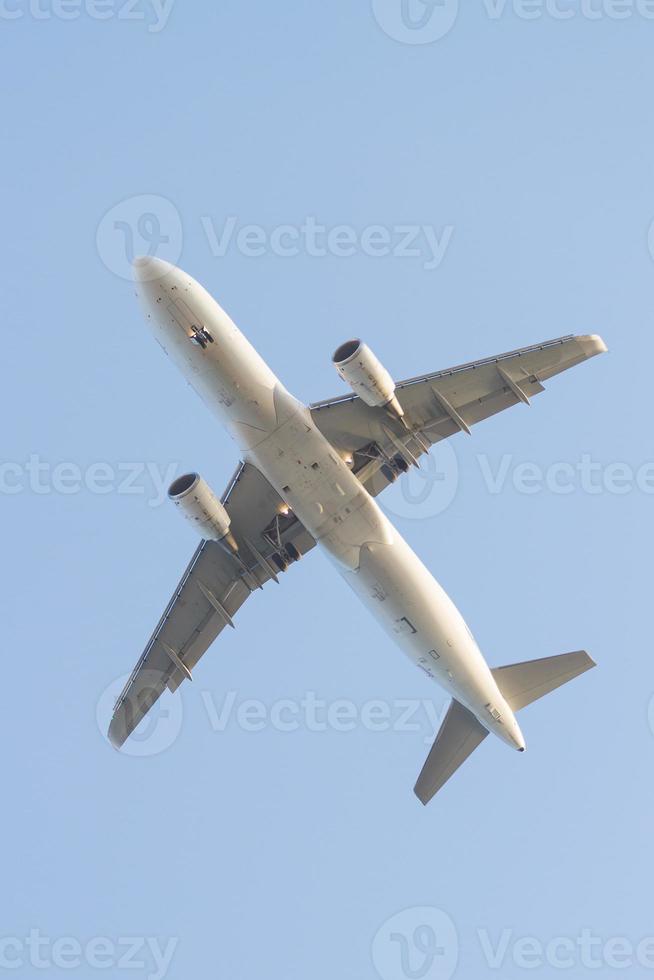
{"x": 147, "y": 268}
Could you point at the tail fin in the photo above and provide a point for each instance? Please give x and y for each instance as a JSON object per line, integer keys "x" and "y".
{"x": 461, "y": 733}
{"x": 459, "y": 736}
{"x": 523, "y": 683}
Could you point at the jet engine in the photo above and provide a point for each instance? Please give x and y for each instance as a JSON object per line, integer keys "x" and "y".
{"x": 201, "y": 508}
{"x": 366, "y": 376}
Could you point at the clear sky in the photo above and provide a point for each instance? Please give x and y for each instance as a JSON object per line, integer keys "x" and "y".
{"x": 515, "y": 144}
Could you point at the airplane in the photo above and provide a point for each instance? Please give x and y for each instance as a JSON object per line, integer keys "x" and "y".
{"x": 309, "y": 476}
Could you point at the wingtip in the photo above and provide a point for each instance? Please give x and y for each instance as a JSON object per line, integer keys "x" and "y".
{"x": 588, "y": 660}
{"x": 420, "y": 798}
{"x": 593, "y": 344}
{"x": 116, "y": 735}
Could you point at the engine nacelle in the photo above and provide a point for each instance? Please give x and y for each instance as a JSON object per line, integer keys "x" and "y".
{"x": 201, "y": 508}
{"x": 366, "y": 376}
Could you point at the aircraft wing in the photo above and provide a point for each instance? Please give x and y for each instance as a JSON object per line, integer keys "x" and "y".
{"x": 213, "y": 588}
{"x": 439, "y": 405}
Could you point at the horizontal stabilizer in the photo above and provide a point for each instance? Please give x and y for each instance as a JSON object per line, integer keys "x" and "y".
{"x": 459, "y": 736}
{"x": 523, "y": 683}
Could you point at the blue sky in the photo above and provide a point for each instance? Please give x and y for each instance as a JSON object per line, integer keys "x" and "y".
{"x": 515, "y": 144}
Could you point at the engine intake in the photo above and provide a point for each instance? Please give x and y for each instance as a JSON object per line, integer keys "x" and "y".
{"x": 201, "y": 508}
{"x": 366, "y": 376}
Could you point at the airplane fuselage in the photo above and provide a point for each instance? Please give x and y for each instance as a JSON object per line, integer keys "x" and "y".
{"x": 275, "y": 433}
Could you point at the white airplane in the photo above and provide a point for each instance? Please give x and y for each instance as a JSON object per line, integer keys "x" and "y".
{"x": 309, "y": 476}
